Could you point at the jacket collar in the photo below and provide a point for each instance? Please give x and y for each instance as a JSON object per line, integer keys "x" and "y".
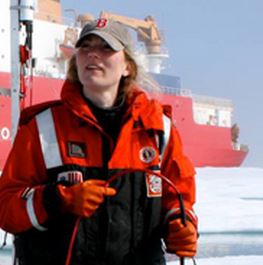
{"x": 148, "y": 111}
{"x": 73, "y": 98}
{"x": 141, "y": 107}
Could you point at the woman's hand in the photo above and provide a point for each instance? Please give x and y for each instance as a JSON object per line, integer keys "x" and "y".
{"x": 181, "y": 240}
{"x": 84, "y": 198}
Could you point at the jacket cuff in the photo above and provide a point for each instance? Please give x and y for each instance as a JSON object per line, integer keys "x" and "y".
{"x": 175, "y": 213}
{"x": 34, "y": 207}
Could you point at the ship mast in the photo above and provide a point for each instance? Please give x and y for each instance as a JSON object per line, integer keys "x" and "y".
{"x": 15, "y": 69}
{"x": 21, "y": 55}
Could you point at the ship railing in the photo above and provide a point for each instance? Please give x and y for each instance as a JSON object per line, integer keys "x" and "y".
{"x": 197, "y": 98}
{"x": 50, "y": 74}
{"x": 177, "y": 91}
{"x": 212, "y": 100}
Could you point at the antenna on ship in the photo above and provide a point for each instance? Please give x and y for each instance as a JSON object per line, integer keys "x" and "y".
{"x": 22, "y": 13}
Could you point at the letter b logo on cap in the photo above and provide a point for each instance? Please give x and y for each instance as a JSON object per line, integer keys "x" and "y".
{"x": 102, "y": 23}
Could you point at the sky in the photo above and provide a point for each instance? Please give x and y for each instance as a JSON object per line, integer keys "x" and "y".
{"x": 215, "y": 46}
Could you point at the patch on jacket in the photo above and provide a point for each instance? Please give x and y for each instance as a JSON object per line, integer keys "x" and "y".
{"x": 153, "y": 185}
{"x": 147, "y": 154}
{"x": 76, "y": 149}
{"x": 72, "y": 177}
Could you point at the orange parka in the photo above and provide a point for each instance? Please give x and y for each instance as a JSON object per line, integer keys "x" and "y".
{"x": 63, "y": 139}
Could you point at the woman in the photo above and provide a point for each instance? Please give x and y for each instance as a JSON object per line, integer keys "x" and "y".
{"x": 79, "y": 185}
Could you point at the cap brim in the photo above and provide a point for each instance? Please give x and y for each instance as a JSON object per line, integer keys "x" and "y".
{"x": 112, "y": 42}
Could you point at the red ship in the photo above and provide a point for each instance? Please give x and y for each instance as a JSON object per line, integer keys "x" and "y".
{"x": 205, "y": 123}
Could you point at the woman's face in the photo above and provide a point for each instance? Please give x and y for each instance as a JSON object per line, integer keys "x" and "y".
{"x": 99, "y": 67}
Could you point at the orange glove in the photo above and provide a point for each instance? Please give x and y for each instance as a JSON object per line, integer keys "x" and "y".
{"x": 84, "y": 198}
{"x": 181, "y": 240}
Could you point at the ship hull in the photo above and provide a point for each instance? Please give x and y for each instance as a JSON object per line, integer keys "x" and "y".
{"x": 204, "y": 145}
{"x": 215, "y": 157}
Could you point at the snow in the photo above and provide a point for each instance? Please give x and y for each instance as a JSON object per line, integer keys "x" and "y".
{"x": 238, "y": 260}
{"x": 230, "y": 210}
{"x": 229, "y": 199}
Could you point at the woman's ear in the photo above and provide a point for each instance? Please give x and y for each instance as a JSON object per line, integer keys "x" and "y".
{"x": 127, "y": 70}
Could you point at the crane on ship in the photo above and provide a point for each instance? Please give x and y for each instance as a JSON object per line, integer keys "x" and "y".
{"x": 147, "y": 30}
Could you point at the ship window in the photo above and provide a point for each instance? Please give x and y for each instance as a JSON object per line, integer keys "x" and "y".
{"x": 212, "y": 115}
{"x": 212, "y": 111}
